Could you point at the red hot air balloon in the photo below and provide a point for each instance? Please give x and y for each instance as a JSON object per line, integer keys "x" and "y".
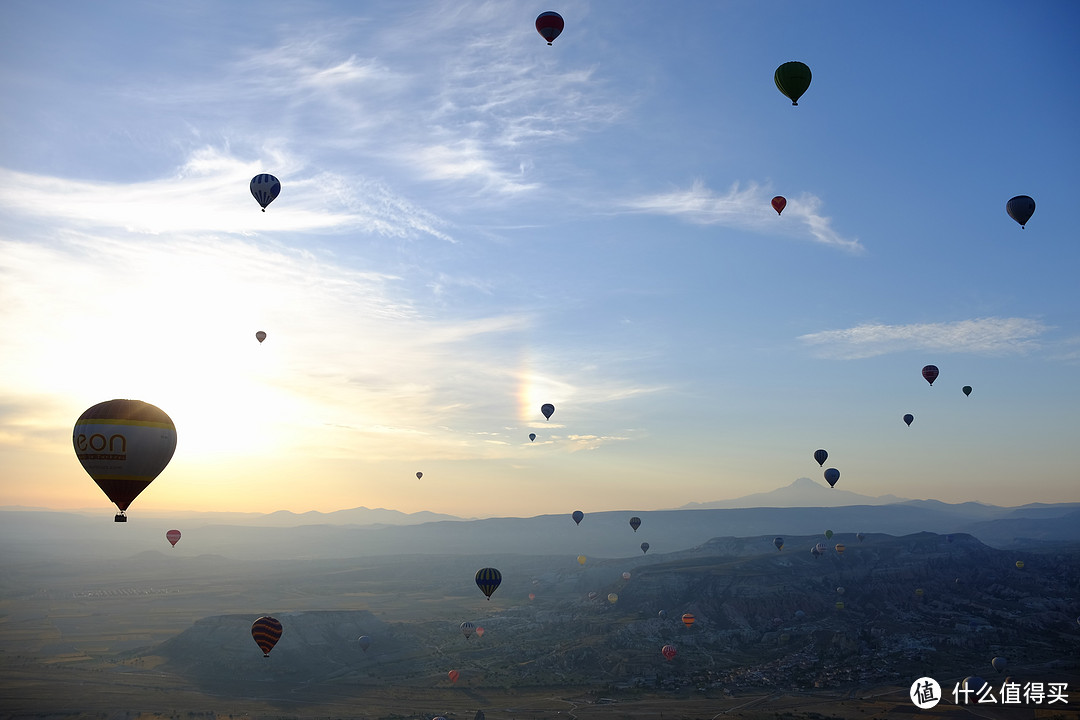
{"x": 930, "y": 373}
{"x": 266, "y": 631}
{"x": 453, "y": 675}
{"x": 549, "y": 24}
{"x": 668, "y": 651}
{"x": 123, "y": 445}
{"x": 173, "y": 537}
{"x": 779, "y": 203}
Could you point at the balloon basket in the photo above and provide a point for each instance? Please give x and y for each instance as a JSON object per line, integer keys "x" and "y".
{"x": 120, "y": 517}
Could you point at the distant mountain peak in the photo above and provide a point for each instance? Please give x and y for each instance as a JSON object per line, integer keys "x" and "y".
{"x": 803, "y": 492}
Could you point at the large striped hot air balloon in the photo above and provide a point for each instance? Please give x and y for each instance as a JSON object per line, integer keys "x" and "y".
{"x": 488, "y": 580}
{"x": 123, "y": 445}
{"x": 266, "y": 631}
{"x": 688, "y": 619}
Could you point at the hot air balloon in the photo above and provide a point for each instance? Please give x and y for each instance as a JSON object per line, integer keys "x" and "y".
{"x": 488, "y": 580}
{"x": 967, "y": 390}
{"x": 532, "y": 596}
{"x": 453, "y": 675}
{"x": 668, "y": 651}
{"x": 840, "y": 548}
{"x": 779, "y": 203}
{"x": 532, "y": 436}
{"x": 919, "y": 592}
{"x": 578, "y": 516}
{"x": 580, "y": 559}
{"x": 644, "y": 548}
{"x": 999, "y": 663}
{"x": 688, "y": 619}
{"x": 479, "y": 632}
{"x": 820, "y": 547}
{"x": 260, "y": 336}
{"x": 792, "y": 79}
{"x": 549, "y": 24}
{"x": 839, "y": 591}
{"x": 635, "y": 522}
{"x": 266, "y": 631}
{"x": 948, "y": 538}
{"x": 839, "y": 605}
{"x": 831, "y": 476}
{"x": 365, "y": 642}
{"x": 815, "y": 552}
{"x": 860, "y": 537}
{"x": 828, "y": 534}
{"x": 1020, "y": 209}
{"x": 467, "y": 629}
{"x": 975, "y": 686}
{"x": 930, "y": 373}
{"x": 909, "y": 418}
{"x": 173, "y": 536}
{"x": 779, "y": 543}
{"x": 123, "y": 445}
{"x": 821, "y": 456}
{"x": 626, "y": 576}
{"x": 663, "y": 614}
{"x": 1020, "y": 565}
{"x": 419, "y": 475}
{"x": 265, "y": 188}
{"x": 612, "y": 598}
{"x": 548, "y": 409}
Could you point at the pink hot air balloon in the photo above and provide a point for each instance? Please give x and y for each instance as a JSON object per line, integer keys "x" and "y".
{"x": 173, "y": 537}
{"x": 668, "y": 651}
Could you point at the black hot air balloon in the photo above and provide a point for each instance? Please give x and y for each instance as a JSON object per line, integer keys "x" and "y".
{"x": 548, "y": 409}
{"x": 1020, "y": 209}
{"x": 644, "y": 548}
{"x": 792, "y": 79}
{"x": 821, "y": 456}
{"x": 635, "y": 522}
{"x": 831, "y": 476}
{"x": 578, "y": 516}
{"x": 908, "y": 419}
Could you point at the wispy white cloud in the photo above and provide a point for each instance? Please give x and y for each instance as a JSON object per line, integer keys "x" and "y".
{"x": 747, "y": 208}
{"x": 983, "y": 335}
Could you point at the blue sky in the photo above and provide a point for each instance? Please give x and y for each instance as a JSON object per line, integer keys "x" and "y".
{"x": 473, "y": 223}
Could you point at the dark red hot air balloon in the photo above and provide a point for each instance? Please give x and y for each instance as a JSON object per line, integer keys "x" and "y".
{"x": 668, "y": 651}
{"x": 930, "y": 373}
{"x": 266, "y": 631}
{"x": 779, "y": 203}
{"x": 549, "y": 24}
{"x": 173, "y": 536}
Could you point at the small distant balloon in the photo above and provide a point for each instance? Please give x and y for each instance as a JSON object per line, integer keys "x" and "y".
{"x": 549, "y": 24}
{"x": 919, "y": 592}
{"x": 419, "y": 475}
{"x": 668, "y": 651}
{"x": 479, "y": 632}
{"x": 173, "y": 536}
{"x": 663, "y": 614}
{"x": 821, "y": 456}
{"x": 644, "y": 548}
{"x": 488, "y": 580}
{"x": 688, "y": 619}
{"x": 930, "y": 373}
{"x": 612, "y": 598}
{"x": 1020, "y": 209}
{"x": 967, "y": 390}
{"x": 635, "y": 522}
{"x": 266, "y": 631}
{"x": 999, "y": 663}
{"x": 532, "y": 596}
{"x": 840, "y": 548}
{"x": 909, "y": 418}
{"x": 839, "y": 591}
{"x": 860, "y": 537}
{"x": 260, "y": 336}
{"x": 578, "y": 516}
{"x": 581, "y": 559}
{"x": 467, "y": 629}
{"x": 365, "y": 642}
{"x": 792, "y": 79}
{"x": 820, "y": 547}
{"x": 828, "y": 534}
{"x": 548, "y": 409}
{"x": 779, "y": 543}
{"x": 1020, "y": 565}
{"x": 779, "y": 203}
{"x": 265, "y": 188}
{"x": 453, "y": 675}
{"x": 626, "y": 576}
{"x": 831, "y": 476}
{"x": 532, "y": 436}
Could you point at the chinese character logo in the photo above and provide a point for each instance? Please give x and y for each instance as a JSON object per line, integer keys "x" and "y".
{"x": 925, "y": 693}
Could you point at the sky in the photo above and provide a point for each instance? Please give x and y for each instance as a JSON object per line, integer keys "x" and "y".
{"x": 473, "y": 223}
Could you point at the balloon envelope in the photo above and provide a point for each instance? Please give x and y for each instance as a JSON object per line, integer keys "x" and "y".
{"x": 967, "y": 390}
{"x": 930, "y": 373}
{"x": 840, "y": 548}
{"x": 548, "y": 409}
{"x": 266, "y": 631}
{"x": 779, "y": 543}
{"x": 549, "y": 24}
{"x": 123, "y": 445}
{"x": 467, "y": 629}
{"x": 1019, "y": 564}
{"x": 999, "y": 663}
{"x": 831, "y": 476}
{"x": 260, "y": 336}
{"x": 626, "y": 576}
{"x": 578, "y": 516}
{"x": 419, "y": 475}
{"x": 365, "y": 642}
{"x": 1020, "y": 209}
{"x": 668, "y": 651}
{"x": 265, "y": 188}
{"x": 612, "y": 598}
{"x": 860, "y": 537}
{"x": 821, "y": 456}
{"x": 479, "y": 632}
{"x": 909, "y": 418}
{"x": 779, "y": 203}
{"x": 453, "y": 675}
{"x": 644, "y": 548}
{"x": 688, "y": 619}
{"x": 581, "y": 559}
{"x": 532, "y": 436}
{"x": 173, "y": 537}
{"x": 792, "y": 79}
{"x": 828, "y": 534}
{"x": 635, "y": 522}
{"x": 488, "y": 580}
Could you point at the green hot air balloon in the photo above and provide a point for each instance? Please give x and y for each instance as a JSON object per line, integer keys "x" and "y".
{"x": 792, "y": 79}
